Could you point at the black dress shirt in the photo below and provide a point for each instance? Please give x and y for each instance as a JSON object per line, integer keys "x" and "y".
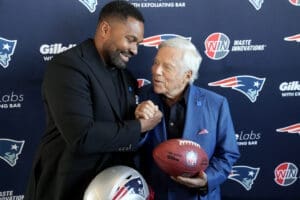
{"x": 120, "y": 89}
{"x": 175, "y": 117}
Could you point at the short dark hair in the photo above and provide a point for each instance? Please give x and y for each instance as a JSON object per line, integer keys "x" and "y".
{"x": 121, "y": 10}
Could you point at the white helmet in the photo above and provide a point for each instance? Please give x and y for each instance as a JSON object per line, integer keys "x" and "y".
{"x": 117, "y": 183}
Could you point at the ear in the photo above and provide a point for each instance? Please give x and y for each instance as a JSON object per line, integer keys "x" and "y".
{"x": 104, "y": 28}
{"x": 188, "y": 75}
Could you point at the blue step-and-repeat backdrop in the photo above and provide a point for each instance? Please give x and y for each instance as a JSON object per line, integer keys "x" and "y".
{"x": 251, "y": 55}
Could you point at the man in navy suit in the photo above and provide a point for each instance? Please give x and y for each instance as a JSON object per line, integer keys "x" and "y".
{"x": 90, "y": 101}
{"x": 191, "y": 113}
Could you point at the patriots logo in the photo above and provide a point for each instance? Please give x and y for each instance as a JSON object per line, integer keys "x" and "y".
{"x": 142, "y": 82}
{"x": 295, "y": 128}
{"x": 154, "y": 41}
{"x": 7, "y": 49}
{"x": 293, "y": 38}
{"x": 248, "y": 85}
{"x": 10, "y": 150}
{"x": 295, "y": 2}
{"x": 131, "y": 189}
{"x": 244, "y": 175}
{"x": 89, "y": 4}
{"x": 256, "y": 3}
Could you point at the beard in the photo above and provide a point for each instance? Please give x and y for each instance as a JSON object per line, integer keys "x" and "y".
{"x": 115, "y": 57}
{"x": 116, "y": 60}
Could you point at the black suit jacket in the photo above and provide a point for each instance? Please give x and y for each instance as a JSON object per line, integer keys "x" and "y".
{"x": 85, "y": 130}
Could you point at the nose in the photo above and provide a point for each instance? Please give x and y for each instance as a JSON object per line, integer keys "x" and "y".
{"x": 134, "y": 49}
{"x": 156, "y": 69}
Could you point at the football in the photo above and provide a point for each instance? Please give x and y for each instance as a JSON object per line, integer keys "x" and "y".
{"x": 179, "y": 157}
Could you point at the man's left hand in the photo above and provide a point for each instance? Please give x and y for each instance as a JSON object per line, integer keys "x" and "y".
{"x": 193, "y": 182}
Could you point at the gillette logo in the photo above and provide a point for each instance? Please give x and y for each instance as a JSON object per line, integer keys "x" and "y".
{"x": 52, "y": 49}
{"x": 290, "y": 89}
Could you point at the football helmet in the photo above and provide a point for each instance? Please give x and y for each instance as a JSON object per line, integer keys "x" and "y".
{"x": 117, "y": 183}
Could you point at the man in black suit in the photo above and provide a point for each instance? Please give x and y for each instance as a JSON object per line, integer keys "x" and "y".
{"x": 90, "y": 102}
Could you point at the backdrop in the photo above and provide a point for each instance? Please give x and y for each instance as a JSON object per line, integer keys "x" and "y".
{"x": 251, "y": 55}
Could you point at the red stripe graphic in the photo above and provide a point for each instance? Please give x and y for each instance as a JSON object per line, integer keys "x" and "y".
{"x": 295, "y": 128}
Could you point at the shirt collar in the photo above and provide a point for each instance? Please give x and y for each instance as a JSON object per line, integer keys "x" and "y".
{"x": 184, "y": 98}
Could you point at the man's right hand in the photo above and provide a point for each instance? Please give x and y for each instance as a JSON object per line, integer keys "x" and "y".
{"x": 148, "y": 114}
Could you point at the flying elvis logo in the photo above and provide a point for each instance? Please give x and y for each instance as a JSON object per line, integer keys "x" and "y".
{"x": 154, "y": 41}
{"x": 142, "y": 82}
{"x": 256, "y": 3}
{"x": 10, "y": 150}
{"x": 248, "y": 85}
{"x": 295, "y": 2}
{"x": 293, "y": 38}
{"x": 89, "y": 4}
{"x": 294, "y": 128}
{"x": 7, "y": 49}
{"x": 244, "y": 175}
{"x": 131, "y": 189}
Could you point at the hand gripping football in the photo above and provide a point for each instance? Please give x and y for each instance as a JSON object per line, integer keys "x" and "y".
{"x": 179, "y": 157}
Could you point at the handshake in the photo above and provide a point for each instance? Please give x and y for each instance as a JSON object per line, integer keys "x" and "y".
{"x": 148, "y": 114}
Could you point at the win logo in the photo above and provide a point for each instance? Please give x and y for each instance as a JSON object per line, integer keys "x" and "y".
{"x": 10, "y": 150}
{"x": 217, "y": 46}
{"x": 286, "y": 174}
{"x": 7, "y": 49}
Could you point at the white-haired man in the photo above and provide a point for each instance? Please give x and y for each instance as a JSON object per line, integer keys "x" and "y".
{"x": 192, "y": 113}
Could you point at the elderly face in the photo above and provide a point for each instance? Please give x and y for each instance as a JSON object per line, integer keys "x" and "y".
{"x": 168, "y": 75}
{"x": 121, "y": 40}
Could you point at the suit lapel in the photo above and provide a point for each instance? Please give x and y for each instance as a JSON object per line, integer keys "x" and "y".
{"x": 194, "y": 108}
{"x": 160, "y": 129}
{"x": 92, "y": 58}
{"x": 127, "y": 89}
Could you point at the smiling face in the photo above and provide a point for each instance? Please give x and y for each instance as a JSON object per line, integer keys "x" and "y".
{"x": 117, "y": 40}
{"x": 168, "y": 75}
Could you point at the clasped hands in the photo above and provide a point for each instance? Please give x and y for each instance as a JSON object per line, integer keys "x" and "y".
{"x": 149, "y": 115}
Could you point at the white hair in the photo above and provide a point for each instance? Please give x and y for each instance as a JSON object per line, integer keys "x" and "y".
{"x": 191, "y": 58}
